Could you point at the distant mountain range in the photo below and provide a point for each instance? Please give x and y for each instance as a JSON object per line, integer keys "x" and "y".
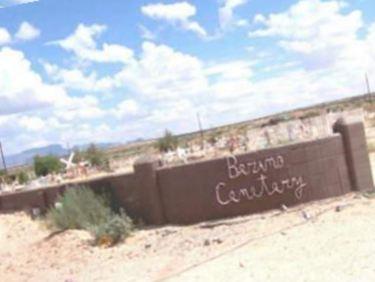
{"x": 26, "y": 157}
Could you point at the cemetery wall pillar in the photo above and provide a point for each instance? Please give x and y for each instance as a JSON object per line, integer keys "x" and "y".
{"x": 356, "y": 153}
{"x": 145, "y": 170}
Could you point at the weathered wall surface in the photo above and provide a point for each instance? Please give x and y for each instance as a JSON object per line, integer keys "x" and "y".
{"x": 121, "y": 186}
{"x": 356, "y": 153}
{"x": 254, "y": 182}
{"x": 231, "y": 186}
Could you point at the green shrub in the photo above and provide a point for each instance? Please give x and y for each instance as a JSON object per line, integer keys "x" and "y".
{"x": 46, "y": 165}
{"x": 95, "y": 156}
{"x": 168, "y": 142}
{"x": 114, "y": 230}
{"x": 310, "y": 114}
{"x": 5, "y": 178}
{"x": 22, "y": 177}
{"x": 81, "y": 208}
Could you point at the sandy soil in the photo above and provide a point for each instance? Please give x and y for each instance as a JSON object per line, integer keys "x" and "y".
{"x": 329, "y": 240}
{"x": 274, "y": 246}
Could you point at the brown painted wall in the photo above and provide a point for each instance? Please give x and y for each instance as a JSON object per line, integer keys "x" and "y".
{"x": 22, "y": 200}
{"x": 286, "y": 175}
{"x": 231, "y": 186}
{"x": 122, "y": 187}
{"x": 356, "y": 153}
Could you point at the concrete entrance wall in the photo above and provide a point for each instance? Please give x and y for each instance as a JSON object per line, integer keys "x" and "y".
{"x": 233, "y": 185}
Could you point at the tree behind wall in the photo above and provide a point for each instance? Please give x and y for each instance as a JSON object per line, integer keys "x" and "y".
{"x": 46, "y": 165}
{"x": 95, "y": 156}
{"x": 168, "y": 142}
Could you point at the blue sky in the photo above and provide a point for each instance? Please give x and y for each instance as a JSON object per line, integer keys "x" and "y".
{"x": 112, "y": 71}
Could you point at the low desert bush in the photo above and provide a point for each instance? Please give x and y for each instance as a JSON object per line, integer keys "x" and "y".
{"x": 168, "y": 142}
{"x": 81, "y": 208}
{"x": 112, "y": 231}
{"x": 95, "y": 156}
{"x": 22, "y": 177}
{"x": 310, "y": 114}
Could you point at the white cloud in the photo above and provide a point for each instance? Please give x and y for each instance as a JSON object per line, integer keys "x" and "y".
{"x": 31, "y": 130}
{"x": 5, "y": 37}
{"x": 31, "y": 123}
{"x": 127, "y": 108}
{"x": 194, "y": 27}
{"x": 146, "y": 33}
{"x": 27, "y": 31}
{"x": 178, "y": 13}
{"x": 232, "y": 80}
{"x": 226, "y": 13}
{"x": 22, "y": 89}
{"x": 172, "y": 86}
{"x": 231, "y": 70}
{"x": 162, "y": 73}
{"x": 80, "y": 109}
{"x": 76, "y": 79}
{"x": 174, "y": 112}
{"x": 82, "y": 44}
{"x": 325, "y": 40}
{"x": 162, "y": 87}
{"x": 7, "y": 3}
{"x": 311, "y": 26}
{"x": 84, "y": 133}
{"x": 17, "y": 2}
{"x": 40, "y": 113}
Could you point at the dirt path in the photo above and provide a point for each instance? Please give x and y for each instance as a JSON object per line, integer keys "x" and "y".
{"x": 336, "y": 247}
{"x": 307, "y": 243}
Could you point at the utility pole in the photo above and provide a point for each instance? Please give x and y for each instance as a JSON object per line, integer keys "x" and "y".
{"x": 368, "y": 87}
{"x": 200, "y": 129}
{"x": 2, "y": 157}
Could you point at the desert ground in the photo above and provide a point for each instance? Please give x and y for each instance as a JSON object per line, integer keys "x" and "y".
{"x": 328, "y": 240}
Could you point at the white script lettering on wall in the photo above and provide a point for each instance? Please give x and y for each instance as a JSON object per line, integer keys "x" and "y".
{"x": 261, "y": 186}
